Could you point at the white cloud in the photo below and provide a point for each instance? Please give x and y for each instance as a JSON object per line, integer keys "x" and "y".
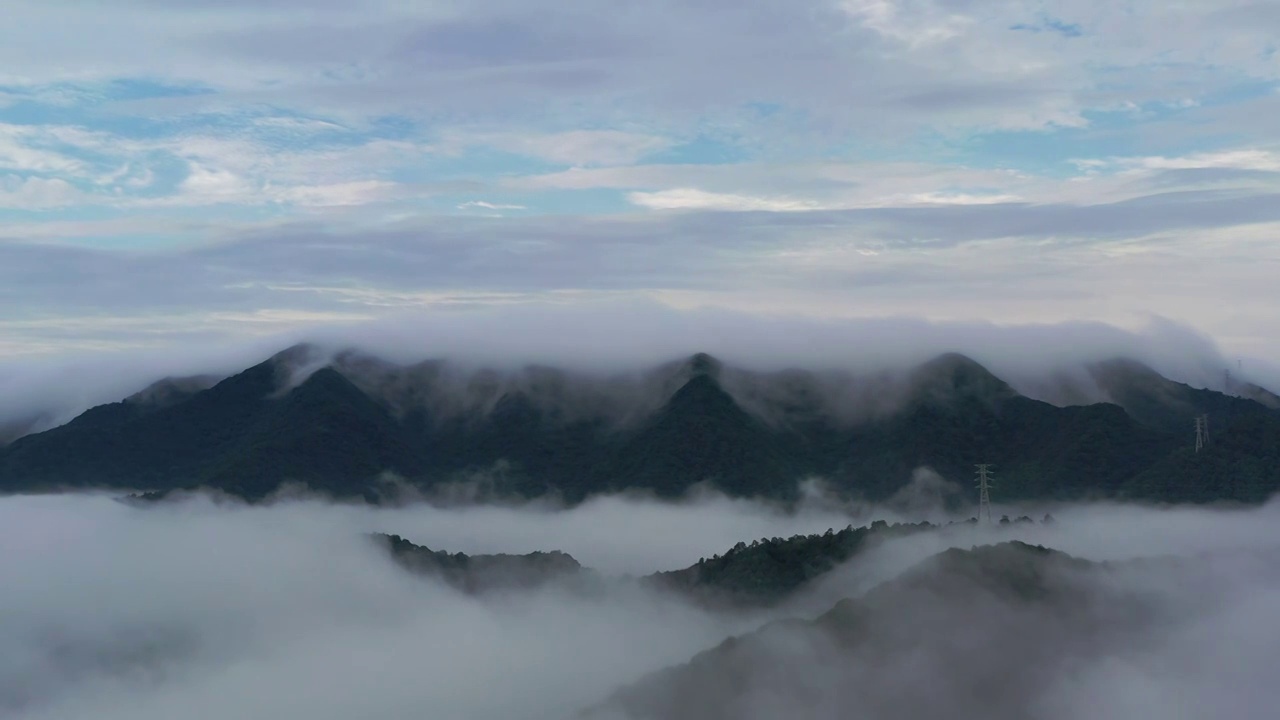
{"x": 212, "y": 611}
{"x": 300, "y": 125}
{"x": 210, "y": 184}
{"x": 576, "y": 147}
{"x": 18, "y": 152}
{"x": 851, "y": 121}
{"x": 483, "y": 205}
{"x": 912, "y": 23}
{"x": 35, "y": 193}
{"x": 694, "y": 199}
{"x": 234, "y": 169}
{"x": 604, "y": 61}
{"x": 935, "y": 198}
{"x": 336, "y": 195}
{"x": 1247, "y": 159}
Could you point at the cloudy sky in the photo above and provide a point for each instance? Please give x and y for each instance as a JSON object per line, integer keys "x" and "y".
{"x": 222, "y": 169}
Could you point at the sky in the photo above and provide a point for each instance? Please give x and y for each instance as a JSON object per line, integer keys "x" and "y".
{"x": 216, "y": 171}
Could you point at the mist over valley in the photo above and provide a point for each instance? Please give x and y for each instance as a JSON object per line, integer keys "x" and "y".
{"x": 667, "y": 360}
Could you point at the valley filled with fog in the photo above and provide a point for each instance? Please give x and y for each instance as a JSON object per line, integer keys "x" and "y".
{"x": 615, "y": 360}
{"x": 214, "y": 609}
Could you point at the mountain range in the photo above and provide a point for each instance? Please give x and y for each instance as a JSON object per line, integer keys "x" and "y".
{"x": 760, "y": 574}
{"x": 351, "y": 425}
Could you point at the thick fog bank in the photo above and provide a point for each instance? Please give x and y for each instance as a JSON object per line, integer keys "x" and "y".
{"x": 1177, "y": 622}
{"x": 200, "y": 611}
{"x": 42, "y": 391}
{"x": 207, "y": 610}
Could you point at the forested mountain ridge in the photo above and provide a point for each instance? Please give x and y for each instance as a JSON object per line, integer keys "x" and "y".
{"x": 1005, "y": 619}
{"x": 762, "y": 573}
{"x": 766, "y": 571}
{"x": 345, "y": 424}
{"x": 481, "y": 573}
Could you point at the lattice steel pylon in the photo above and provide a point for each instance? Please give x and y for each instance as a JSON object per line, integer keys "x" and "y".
{"x": 984, "y": 491}
{"x": 1202, "y": 432}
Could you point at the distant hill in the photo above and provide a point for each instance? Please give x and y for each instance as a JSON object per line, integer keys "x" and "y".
{"x": 969, "y": 633}
{"x": 752, "y": 575}
{"x": 356, "y": 426}
{"x": 482, "y": 573}
{"x": 766, "y": 571}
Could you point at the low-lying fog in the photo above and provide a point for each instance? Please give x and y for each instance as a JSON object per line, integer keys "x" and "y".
{"x": 209, "y": 610}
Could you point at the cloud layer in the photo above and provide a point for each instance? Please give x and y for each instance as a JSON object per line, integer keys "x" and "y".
{"x": 234, "y": 168}
{"x": 601, "y": 336}
{"x": 210, "y": 611}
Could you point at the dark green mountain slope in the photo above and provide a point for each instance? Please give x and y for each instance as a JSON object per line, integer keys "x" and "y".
{"x": 325, "y": 433}
{"x": 958, "y": 414}
{"x": 129, "y": 444}
{"x": 970, "y": 633}
{"x": 1239, "y": 463}
{"x": 703, "y": 435}
{"x": 1170, "y": 406}
{"x": 246, "y": 435}
{"x": 483, "y": 573}
{"x": 760, "y": 574}
{"x": 768, "y": 570}
{"x": 517, "y": 448}
{"x": 548, "y": 431}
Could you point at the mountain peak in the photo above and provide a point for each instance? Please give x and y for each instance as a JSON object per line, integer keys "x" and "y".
{"x": 298, "y": 354}
{"x": 171, "y": 390}
{"x": 1125, "y": 369}
{"x": 704, "y": 364}
{"x": 954, "y": 376}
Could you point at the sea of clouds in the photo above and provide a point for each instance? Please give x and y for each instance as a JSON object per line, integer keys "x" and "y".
{"x": 212, "y": 609}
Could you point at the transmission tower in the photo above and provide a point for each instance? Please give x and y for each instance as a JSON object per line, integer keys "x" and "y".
{"x": 1202, "y": 432}
{"x": 984, "y": 491}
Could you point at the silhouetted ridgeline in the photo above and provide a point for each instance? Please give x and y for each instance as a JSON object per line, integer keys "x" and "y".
{"x": 482, "y": 573}
{"x": 347, "y": 427}
{"x": 766, "y": 571}
{"x": 762, "y": 573}
{"x": 1001, "y": 623}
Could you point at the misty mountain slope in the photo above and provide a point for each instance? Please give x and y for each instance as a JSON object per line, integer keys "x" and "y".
{"x": 523, "y": 433}
{"x": 703, "y": 435}
{"x": 172, "y": 390}
{"x": 985, "y": 632}
{"x": 1256, "y": 393}
{"x": 517, "y": 448}
{"x": 483, "y": 573}
{"x": 236, "y": 436}
{"x": 324, "y": 433}
{"x": 954, "y": 379}
{"x": 1039, "y": 451}
{"x": 760, "y": 574}
{"x": 337, "y": 424}
{"x": 1241, "y": 462}
{"x": 1172, "y": 406}
{"x": 15, "y": 428}
{"x": 129, "y": 444}
{"x": 767, "y": 571}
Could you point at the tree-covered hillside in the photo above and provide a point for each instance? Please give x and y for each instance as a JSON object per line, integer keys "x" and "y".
{"x": 359, "y": 428}
{"x": 1001, "y": 624}
{"x": 768, "y": 570}
{"x": 481, "y": 573}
